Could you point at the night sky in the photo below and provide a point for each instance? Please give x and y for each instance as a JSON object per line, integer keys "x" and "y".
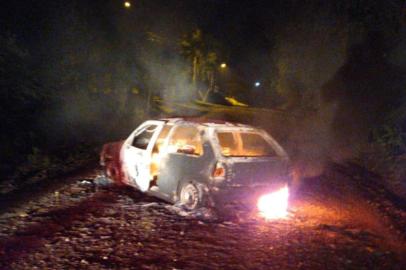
{"x": 242, "y": 27}
{"x": 246, "y": 30}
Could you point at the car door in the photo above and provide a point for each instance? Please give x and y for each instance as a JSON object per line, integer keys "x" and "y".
{"x": 182, "y": 159}
{"x": 137, "y": 152}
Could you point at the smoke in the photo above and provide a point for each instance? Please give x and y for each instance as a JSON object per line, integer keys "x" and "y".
{"x": 338, "y": 92}
{"x": 306, "y": 55}
{"x": 355, "y": 101}
{"x": 106, "y": 67}
{"x": 168, "y": 75}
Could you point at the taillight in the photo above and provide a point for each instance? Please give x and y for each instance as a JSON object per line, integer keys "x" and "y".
{"x": 219, "y": 170}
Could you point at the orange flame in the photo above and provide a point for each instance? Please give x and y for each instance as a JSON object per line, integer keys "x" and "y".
{"x": 274, "y": 205}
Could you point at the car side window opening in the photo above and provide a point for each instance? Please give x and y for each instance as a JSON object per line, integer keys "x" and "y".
{"x": 244, "y": 144}
{"x": 186, "y": 140}
{"x": 161, "y": 139}
{"x": 254, "y": 145}
{"x": 228, "y": 143}
{"x": 142, "y": 139}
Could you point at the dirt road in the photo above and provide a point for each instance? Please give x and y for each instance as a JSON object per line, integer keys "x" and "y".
{"x": 87, "y": 226}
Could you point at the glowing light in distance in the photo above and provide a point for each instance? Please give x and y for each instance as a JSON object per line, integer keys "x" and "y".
{"x": 127, "y": 4}
{"x": 274, "y": 205}
{"x": 223, "y": 65}
{"x": 257, "y": 84}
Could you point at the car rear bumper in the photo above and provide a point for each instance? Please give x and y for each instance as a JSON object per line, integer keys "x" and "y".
{"x": 243, "y": 195}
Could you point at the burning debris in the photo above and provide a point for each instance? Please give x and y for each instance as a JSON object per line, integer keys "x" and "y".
{"x": 274, "y": 205}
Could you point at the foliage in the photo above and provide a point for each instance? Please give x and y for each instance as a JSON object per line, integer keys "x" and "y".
{"x": 37, "y": 159}
{"x": 390, "y": 138}
{"x": 21, "y": 98}
{"x": 202, "y": 52}
{"x": 64, "y": 87}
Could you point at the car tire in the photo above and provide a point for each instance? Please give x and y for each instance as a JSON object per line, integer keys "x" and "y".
{"x": 190, "y": 196}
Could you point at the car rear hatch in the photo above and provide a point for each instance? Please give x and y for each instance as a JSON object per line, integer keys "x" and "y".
{"x": 252, "y": 158}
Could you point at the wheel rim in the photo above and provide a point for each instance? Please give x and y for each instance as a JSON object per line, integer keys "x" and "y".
{"x": 189, "y": 196}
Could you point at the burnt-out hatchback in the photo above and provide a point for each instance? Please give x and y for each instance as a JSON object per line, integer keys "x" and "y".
{"x": 199, "y": 162}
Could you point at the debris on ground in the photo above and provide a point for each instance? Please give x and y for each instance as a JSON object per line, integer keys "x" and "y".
{"x": 80, "y": 226}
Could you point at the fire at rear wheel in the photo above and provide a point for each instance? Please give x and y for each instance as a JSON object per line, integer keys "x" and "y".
{"x": 189, "y": 196}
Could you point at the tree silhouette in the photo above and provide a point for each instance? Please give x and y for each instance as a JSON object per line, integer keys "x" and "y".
{"x": 201, "y": 51}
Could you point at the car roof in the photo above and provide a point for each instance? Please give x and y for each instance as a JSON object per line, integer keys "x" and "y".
{"x": 204, "y": 122}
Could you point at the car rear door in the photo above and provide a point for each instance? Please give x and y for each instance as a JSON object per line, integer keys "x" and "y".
{"x": 137, "y": 152}
{"x": 184, "y": 159}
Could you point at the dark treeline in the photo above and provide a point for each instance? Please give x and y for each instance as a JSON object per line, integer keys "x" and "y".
{"x": 74, "y": 72}
{"x": 46, "y": 69}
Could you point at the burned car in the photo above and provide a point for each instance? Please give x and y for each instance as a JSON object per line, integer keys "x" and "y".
{"x": 199, "y": 162}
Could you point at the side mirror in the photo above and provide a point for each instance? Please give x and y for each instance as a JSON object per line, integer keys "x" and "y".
{"x": 187, "y": 149}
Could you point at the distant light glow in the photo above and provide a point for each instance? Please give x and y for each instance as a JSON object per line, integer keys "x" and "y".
{"x": 223, "y": 65}
{"x": 274, "y": 205}
{"x": 127, "y": 4}
{"x": 257, "y": 84}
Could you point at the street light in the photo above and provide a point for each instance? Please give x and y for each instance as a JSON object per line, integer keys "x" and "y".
{"x": 223, "y": 65}
{"x": 127, "y": 4}
{"x": 257, "y": 84}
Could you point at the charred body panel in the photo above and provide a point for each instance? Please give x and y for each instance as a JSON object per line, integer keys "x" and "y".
{"x": 182, "y": 160}
{"x": 177, "y": 169}
{"x": 111, "y": 161}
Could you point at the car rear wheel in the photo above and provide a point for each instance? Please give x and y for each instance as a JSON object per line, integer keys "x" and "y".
{"x": 190, "y": 196}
